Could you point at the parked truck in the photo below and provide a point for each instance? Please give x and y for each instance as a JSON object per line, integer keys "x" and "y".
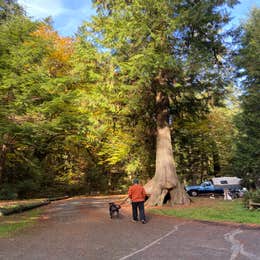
{"x": 217, "y": 186}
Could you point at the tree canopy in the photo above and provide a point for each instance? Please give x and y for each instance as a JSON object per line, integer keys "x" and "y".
{"x": 246, "y": 160}
{"x": 142, "y": 90}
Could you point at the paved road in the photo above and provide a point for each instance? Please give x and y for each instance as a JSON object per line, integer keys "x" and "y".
{"x": 80, "y": 228}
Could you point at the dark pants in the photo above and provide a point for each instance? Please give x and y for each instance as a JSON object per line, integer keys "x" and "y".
{"x": 140, "y": 206}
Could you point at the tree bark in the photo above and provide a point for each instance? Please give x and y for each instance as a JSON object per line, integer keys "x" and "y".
{"x": 165, "y": 179}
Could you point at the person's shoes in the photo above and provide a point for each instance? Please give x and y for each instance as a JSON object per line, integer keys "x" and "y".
{"x": 143, "y": 222}
{"x": 134, "y": 221}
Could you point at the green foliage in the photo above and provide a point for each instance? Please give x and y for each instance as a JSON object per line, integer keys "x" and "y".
{"x": 247, "y": 160}
{"x": 204, "y": 146}
{"x": 251, "y": 195}
{"x": 8, "y": 192}
{"x": 151, "y": 51}
{"x": 41, "y": 113}
{"x": 9, "y": 8}
{"x": 79, "y": 115}
{"x": 14, "y": 136}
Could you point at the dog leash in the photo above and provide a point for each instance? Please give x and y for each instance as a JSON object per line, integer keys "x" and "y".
{"x": 124, "y": 200}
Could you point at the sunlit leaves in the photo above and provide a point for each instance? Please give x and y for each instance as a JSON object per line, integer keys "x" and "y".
{"x": 59, "y": 48}
{"x": 246, "y": 160}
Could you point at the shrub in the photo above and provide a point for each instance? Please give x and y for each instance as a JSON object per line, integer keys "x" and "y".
{"x": 27, "y": 188}
{"x": 8, "y": 192}
{"x": 252, "y": 195}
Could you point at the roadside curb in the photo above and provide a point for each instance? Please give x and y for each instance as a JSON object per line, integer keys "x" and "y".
{"x": 237, "y": 225}
{"x": 216, "y": 223}
{"x": 21, "y": 208}
{"x": 58, "y": 198}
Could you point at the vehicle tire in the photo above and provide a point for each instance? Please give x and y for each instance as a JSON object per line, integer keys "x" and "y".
{"x": 194, "y": 193}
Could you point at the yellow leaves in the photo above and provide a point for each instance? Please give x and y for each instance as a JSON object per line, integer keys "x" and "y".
{"x": 60, "y": 50}
{"x": 118, "y": 148}
{"x": 44, "y": 31}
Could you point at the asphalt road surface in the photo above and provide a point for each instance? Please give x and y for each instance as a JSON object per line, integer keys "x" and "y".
{"x": 80, "y": 228}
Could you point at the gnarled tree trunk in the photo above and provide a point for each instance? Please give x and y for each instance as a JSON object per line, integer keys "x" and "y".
{"x": 165, "y": 179}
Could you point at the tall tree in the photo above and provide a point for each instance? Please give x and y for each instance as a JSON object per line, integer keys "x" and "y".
{"x": 204, "y": 146}
{"x": 247, "y": 160}
{"x": 40, "y": 109}
{"x": 8, "y": 9}
{"x": 14, "y": 32}
{"x": 170, "y": 51}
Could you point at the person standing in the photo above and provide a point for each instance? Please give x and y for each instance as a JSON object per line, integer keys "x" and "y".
{"x": 137, "y": 195}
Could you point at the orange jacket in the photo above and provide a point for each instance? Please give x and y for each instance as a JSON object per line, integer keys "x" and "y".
{"x": 136, "y": 193}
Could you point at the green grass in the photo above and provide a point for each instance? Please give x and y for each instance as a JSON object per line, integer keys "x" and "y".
{"x": 213, "y": 210}
{"x": 14, "y": 204}
{"x": 12, "y": 224}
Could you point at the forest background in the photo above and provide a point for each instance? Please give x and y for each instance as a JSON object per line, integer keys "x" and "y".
{"x": 77, "y": 115}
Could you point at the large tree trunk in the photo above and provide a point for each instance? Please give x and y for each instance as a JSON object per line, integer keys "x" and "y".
{"x": 165, "y": 180}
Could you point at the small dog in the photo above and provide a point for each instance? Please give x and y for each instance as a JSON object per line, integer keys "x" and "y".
{"x": 114, "y": 209}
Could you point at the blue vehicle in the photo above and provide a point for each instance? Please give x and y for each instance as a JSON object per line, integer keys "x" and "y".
{"x": 204, "y": 188}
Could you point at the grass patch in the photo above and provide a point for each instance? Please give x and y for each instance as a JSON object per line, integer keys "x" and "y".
{"x": 12, "y": 224}
{"x": 15, "y": 203}
{"x": 213, "y": 210}
{"x": 20, "y": 206}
